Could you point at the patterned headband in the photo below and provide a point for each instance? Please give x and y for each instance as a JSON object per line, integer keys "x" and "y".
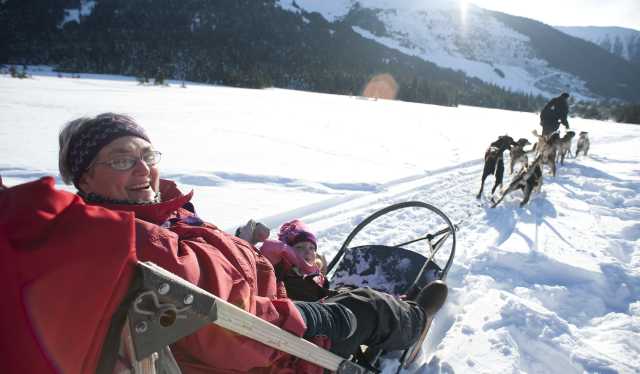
{"x": 85, "y": 145}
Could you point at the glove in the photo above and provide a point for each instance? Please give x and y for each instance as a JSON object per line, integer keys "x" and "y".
{"x": 253, "y": 232}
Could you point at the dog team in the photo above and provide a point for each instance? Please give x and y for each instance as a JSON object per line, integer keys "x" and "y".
{"x": 549, "y": 149}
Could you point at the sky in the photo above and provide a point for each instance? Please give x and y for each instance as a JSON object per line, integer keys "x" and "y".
{"x": 621, "y": 13}
{"x": 552, "y": 287}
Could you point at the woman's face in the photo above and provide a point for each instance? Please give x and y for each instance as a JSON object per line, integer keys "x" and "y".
{"x": 138, "y": 184}
{"x": 307, "y": 250}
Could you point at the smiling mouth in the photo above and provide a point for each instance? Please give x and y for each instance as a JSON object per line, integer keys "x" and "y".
{"x": 139, "y": 187}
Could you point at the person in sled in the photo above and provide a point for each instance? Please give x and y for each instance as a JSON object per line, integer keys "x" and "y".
{"x": 294, "y": 257}
{"x": 554, "y": 113}
{"x": 113, "y": 163}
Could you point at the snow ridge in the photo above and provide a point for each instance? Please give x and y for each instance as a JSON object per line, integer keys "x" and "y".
{"x": 619, "y": 41}
{"x": 451, "y": 35}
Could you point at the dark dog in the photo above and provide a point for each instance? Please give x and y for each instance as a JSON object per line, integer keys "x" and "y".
{"x": 494, "y": 163}
{"x": 583, "y": 143}
{"x": 518, "y": 154}
{"x": 529, "y": 178}
{"x": 547, "y": 147}
{"x": 564, "y": 146}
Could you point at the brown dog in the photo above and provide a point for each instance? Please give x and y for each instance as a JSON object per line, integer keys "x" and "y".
{"x": 528, "y": 179}
{"x": 494, "y": 163}
{"x": 518, "y": 154}
{"x": 547, "y": 147}
{"x": 564, "y": 146}
{"x": 583, "y": 143}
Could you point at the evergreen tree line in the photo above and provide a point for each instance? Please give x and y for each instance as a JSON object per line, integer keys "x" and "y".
{"x": 607, "y": 110}
{"x": 241, "y": 43}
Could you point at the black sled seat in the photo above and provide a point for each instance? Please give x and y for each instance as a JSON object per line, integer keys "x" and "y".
{"x": 396, "y": 269}
{"x": 389, "y": 269}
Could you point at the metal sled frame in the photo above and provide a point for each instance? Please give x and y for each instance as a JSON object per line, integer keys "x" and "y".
{"x": 340, "y": 271}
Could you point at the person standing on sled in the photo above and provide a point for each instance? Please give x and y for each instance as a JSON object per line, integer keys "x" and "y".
{"x": 113, "y": 163}
{"x": 554, "y": 113}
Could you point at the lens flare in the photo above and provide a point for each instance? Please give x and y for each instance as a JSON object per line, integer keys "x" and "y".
{"x": 381, "y": 86}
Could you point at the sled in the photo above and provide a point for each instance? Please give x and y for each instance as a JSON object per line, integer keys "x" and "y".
{"x": 165, "y": 308}
{"x": 162, "y": 308}
{"x": 395, "y": 268}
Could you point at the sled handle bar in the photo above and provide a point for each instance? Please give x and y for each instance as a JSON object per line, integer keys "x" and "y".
{"x": 338, "y": 256}
{"x": 428, "y": 237}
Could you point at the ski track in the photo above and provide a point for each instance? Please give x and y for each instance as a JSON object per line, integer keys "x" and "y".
{"x": 481, "y": 255}
{"x": 486, "y": 264}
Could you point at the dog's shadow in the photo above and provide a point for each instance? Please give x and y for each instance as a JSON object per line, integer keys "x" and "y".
{"x": 608, "y": 159}
{"x": 584, "y": 171}
{"x": 506, "y": 216}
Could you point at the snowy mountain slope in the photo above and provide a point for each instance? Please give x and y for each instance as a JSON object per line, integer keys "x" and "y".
{"x": 619, "y": 41}
{"x": 553, "y": 287}
{"x": 467, "y": 38}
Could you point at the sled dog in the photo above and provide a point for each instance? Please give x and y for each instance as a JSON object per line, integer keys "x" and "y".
{"x": 583, "y": 143}
{"x": 547, "y": 147}
{"x": 494, "y": 163}
{"x": 528, "y": 179}
{"x": 564, "y": 145}
{"x": 517, "y": 153}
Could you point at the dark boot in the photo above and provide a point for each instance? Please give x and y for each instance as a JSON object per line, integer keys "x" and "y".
{"x": 432, "y": 297}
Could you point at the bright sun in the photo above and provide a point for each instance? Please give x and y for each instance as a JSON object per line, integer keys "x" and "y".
{"x": 464, "y": 5}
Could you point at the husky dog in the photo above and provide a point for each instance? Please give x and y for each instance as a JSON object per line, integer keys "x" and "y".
{"x": 494, "y": 163}
{"x": 564, "y": 146}
{"x": 547, "y": 147}
{"x": 518, "y": 154}
{"x": 528, "y": 179}
{"x": 583, "y": 143}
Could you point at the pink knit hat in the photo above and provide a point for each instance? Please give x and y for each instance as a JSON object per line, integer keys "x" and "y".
{"x": 296, "y": 231}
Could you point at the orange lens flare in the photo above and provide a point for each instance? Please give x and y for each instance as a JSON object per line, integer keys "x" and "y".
{"x": 381, "y": 86}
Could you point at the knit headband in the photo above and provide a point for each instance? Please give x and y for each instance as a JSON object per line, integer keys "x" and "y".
{"x": 86, "y": 144}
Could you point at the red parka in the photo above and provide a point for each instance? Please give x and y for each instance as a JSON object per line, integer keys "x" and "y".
{"x": 70, "y": 250}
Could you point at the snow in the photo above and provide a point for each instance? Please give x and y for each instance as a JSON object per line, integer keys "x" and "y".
{"x": 617, "y": 40}
{"x": 553, "y": 287}
{"x": 331, "y": 10}
{"x": 75, "y": 14}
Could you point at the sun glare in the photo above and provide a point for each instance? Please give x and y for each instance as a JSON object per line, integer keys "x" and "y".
{"x": 464, "y": 6}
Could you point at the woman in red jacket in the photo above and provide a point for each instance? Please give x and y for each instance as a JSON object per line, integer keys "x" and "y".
{"x": 113, "y": 163}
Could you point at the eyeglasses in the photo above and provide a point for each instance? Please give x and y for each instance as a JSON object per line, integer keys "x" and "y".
{"x": 125, "y": 163}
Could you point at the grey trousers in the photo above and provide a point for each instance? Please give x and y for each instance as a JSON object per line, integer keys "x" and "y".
{"x": 384, "y": 321}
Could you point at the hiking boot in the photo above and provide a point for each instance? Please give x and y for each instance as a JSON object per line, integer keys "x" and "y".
{"x": 432, "y": 297}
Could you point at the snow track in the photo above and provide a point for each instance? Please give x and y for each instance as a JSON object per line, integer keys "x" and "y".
{"x": 553, "y": 287}
{"x": 522, "y": 273}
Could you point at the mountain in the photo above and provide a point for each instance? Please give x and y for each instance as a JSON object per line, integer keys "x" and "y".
{"x": 240, "y": 43}
{"x": 512, "y": 52}
{"x": 619, "y": 41}
{"x": 435, "y": 52}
